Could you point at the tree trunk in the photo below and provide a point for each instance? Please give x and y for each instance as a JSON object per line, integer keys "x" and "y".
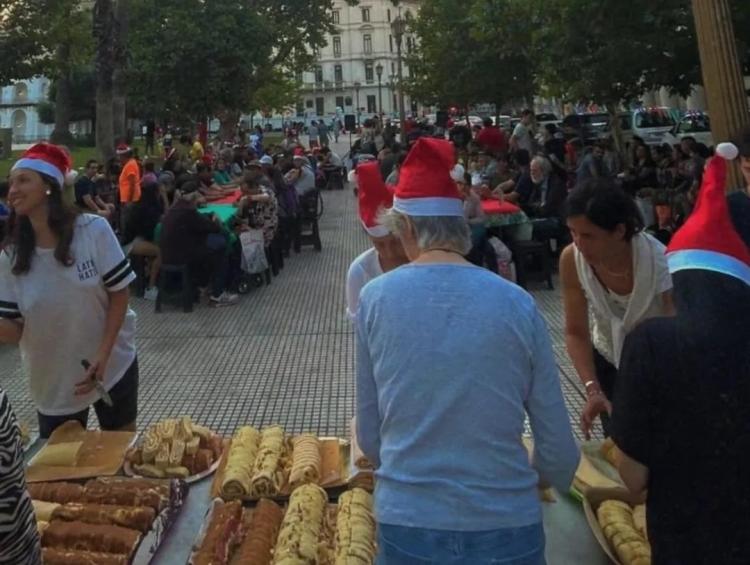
{"x": 228, "y": 127}
{"x": 119, "y": 108}
{"x": 103, "y": 33}
{"x": 614, "y": 121}
{"x": 61, "y": 132}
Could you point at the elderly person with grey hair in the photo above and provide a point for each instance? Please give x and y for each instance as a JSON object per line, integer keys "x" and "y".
{"x": 543, "y": 199}
{"x": 451, "y": 359}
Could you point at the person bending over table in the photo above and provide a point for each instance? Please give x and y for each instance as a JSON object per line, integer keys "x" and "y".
{"x": 64, "y": 298}
{"x": 223, "y": 175}
{"x": 617, "y": 272}
{"x": 196, "y": 240}
{"x": 442, "y": 397}
{"x": 206, "y": 185}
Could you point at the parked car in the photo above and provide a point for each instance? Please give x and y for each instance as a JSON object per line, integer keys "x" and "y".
{"x": 693, "y": 124}
{"x": 505, "y": 123}
{"x": 650, "y": 124}
{"x": 546, "y": 118}
{"x": 589, "y": 128}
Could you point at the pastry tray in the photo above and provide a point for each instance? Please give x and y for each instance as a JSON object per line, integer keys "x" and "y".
{"x": 334, "y": 463}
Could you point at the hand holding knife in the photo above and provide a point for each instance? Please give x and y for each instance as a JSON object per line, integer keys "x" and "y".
{"x": 103, "y": 394}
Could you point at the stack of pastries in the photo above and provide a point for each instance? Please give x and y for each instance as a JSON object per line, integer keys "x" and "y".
{"x": 308, "y": 531}
{"x": 175, "y": 448}
{"x": 258, "y": 463}
{"x": 101, "y": 522}
{"x": 625, "y": 528}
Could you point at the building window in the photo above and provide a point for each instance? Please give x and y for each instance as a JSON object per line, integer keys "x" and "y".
{"x": 369, "y": 72}
{"x": 393, "y": 68}
{"x": 338, "y": 73}
{"x": 372, "y": 104}
{"x": 318, "y": 74}
{"x": 337, "y": 46}
{"x": 390, "y": 42}
{"x": 348, "y": 101}
{"x": 367, "y": 39}
{"x": 299, "y": 77}
{"x": 365, "y": 14}
{"x": 336, "y": 16}
{"x": 316, "y": 52}
{"x": 21, "y": 94}
{"x": 309, "y": 103}
{"x": 409, "y": 44}
{"x": 339, "y": 102}
{"x": 301, "y": 109}
{"x": 395, "y": 103}
{"x": 320, "y": 109}
{"x": 389, "y": 14}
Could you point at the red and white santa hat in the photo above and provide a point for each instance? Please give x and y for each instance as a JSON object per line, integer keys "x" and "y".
{"x": 425, "y": 186}
{"x": 123, "y": 148}
{"x": 708, "y": 241}
{"x": 48, "y": 159}
{"x": 374, "y": 196}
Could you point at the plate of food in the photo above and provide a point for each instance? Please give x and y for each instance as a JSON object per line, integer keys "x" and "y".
{"x": 271, "y": 464}
{"x": 175, "y": 448}
{"x": 307, "y": 530}
{"x": 108, "y": 521}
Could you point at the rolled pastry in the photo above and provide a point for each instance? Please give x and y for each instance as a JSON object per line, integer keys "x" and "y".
{"x": 53, "y": 556}
{"x": 134, "y": 517}
{"x": 162, "y": 456}
{"x": 90, "y": 537}
{"x": 59, "y": 454}
{"x": 305, "y": 460}
{"x": 355, "y": 529}
{"x": 261, "y": 532}
{"x": 266, "y": 471}
{"x": 150, "y": 471}
{"x": 221, "y": 534}
{"x": 41, "y": 526}
{"x": 44, "y": 510}
{"x": 150, "y": 446}
{"x": 301, "y": 527}
{"x": 55, "y": 492}
{"x": 176, "y": 453}
{"x": 238, "y": 473}
{"x": 99, "y": 492}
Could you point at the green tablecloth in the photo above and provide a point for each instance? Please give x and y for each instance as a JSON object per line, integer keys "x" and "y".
{"x": 502, "y": 220}
{"x": 224, "y": 212}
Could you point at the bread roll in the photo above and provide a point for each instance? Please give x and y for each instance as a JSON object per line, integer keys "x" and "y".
{"x": 305, "y": 460}
{"x": 238, "y": 473}
{"x": 90, "y": 537}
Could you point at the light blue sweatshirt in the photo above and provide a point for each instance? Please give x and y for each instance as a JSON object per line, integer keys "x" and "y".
{"x": 450, "y": 359}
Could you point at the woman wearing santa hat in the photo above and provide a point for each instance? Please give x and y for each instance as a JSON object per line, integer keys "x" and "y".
{"x": 451, "y": 359}
{"x": 615, "y": 272}
{"x": 386, "y": 252}
{"x": 681, "y": 410}
{"x": 64, "y": 299}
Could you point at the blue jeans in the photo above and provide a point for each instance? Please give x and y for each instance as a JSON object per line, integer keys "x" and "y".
{"x": 399, "y": 545}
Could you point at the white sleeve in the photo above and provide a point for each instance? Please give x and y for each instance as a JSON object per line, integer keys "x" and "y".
{"x": 663, "y": 277}
{"x": 355, "y": 281}
{"x": 9, "y": 308}
{"x": 113, "y": 266}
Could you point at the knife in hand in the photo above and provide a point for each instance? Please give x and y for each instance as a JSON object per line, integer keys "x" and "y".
{"x": 99, "y": 386}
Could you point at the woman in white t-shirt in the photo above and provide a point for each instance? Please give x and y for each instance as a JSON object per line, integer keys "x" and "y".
{"x": 64, "y": 299}
{"x": 614, "y": 275}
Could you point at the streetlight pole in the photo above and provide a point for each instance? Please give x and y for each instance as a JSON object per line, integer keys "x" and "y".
{"x": 379, "y": 71}
{"x": 357, "y": 85}
{"x": 398, "y": 27}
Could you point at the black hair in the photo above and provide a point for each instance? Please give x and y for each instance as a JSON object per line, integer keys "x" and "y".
{"x": 91, "y": 162}
{"x": 606, "y": 206}
{"x": 527, "y": 112}
{"x": 61, "y": 219}
{"x": 4, "y": 188}
{"x": 743, "y": 142}
{"x": 189, "y": 187}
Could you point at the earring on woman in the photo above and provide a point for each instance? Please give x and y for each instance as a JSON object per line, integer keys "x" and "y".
{"x": 48, "y": 192}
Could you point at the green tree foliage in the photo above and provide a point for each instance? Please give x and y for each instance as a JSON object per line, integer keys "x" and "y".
{"x": 83, "y": 97}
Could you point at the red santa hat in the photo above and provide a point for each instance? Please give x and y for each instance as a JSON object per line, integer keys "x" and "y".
{"x": 708, "y": 241}
{"x": 123, "y": 148}
{"x": 425, "y": 186}
{"x": 374, "y": 196}
{"x": 48, "y": 159}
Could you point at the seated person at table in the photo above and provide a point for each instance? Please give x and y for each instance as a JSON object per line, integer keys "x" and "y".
{"x": 522, "y": 184}
{"x": 206, "y": 185}
{"x": 302, "y": 176}
{"x": 196, "y": 240}
{"x": 543, "y": 199}
{"x": 140, "y": 226}
{"x": 260, "y": 210}
{"x": 87, "y": 195}
{"x": 222, "y": 175}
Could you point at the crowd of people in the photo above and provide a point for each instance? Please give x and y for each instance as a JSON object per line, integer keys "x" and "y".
{"x": 657, "y": 334}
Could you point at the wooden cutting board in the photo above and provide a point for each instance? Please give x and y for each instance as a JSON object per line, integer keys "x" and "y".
{"x": 101, "y": 454}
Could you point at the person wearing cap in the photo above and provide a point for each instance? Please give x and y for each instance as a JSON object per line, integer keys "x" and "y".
{"x": 442, "y": 399}
{"x": 681, "y": 410}
{"x": 130, "y": 175}
{"x": 302, "y": 176}
{"x": 613, "y": 274}
{"x": 64, "y": 299}
{"x": 386, "y": 252}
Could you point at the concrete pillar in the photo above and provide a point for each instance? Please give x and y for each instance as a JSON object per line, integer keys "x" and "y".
{"x": 722, "y": 76}
{"x": 697, "y": 98}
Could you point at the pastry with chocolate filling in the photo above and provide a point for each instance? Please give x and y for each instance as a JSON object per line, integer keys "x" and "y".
{"x": 221, "y": 534}
{"x": 56, "y": 492}
{"x": 260, "y": 537}
{"x": 90, "y": 537}
{"x": 134, "y": 517}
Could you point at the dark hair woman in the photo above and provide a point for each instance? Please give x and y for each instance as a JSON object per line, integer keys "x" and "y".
{"x": 64, "y": 298}
{"x": 618, "y": 272}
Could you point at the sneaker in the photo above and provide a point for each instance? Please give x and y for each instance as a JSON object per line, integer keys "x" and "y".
{"x": 224, "y": 299}
{"x": 151, "y": 293}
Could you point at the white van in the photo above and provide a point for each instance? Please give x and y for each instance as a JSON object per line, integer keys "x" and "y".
{"x": 693, "y": 124}
{"x": 650, "y": 124}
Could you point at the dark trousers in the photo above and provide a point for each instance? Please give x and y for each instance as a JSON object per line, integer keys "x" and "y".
{"x": 289, "y": 232}
{"x": 606, "y": 372}
{"x": 210, "y": 265}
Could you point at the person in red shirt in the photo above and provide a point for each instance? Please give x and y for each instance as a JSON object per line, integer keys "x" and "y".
{"x": 492, "y": 139}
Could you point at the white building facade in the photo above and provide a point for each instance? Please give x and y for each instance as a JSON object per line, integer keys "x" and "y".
{"x": 345, "y": 77}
